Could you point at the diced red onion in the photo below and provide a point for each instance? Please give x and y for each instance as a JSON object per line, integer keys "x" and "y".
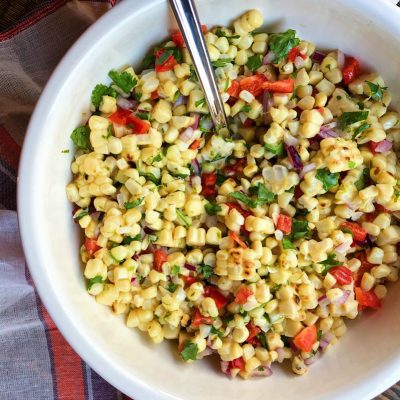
{"x": 265, "y": 371}
{"x": 325, "y": 340}
{"x": 190, "y": 267}
{"x": 196, "y": 167}
{"x": 281, "y": 354}
{"x": 343, "y": 298}
{"x": 181, "y": 100}
{"x": 312, "y": 359}
{"x": 307, "y": 168}
{"x": 342, "y": 248}
{"x": 266, "y": 101}
{"x": 327, "y": 131}
{"x": 196, "y": 117}
{"x": 126, "y": 104}
{"x": 383, "y": 146}
{"x": 206, "y": 352}
{"x": 294, "y": 158}
{"x": 299, "y": 62}
{"x": 323, "y": 301}
{"x": 225, "y": 367}
{"x": 134, "y": 281}
{"x": 269, "y": 58}
{"x": 186, "y": 135}
{"x": 340, "y": 59}
{"x": 290, "y": 140}
{"x": 318, "y": 57}
{"x": 95, "y": 215}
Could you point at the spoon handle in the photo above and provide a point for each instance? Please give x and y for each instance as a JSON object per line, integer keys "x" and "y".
{"x": 188, "y": 22}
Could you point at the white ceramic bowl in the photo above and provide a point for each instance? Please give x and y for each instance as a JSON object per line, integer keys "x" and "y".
{"x": 364, "y": 363}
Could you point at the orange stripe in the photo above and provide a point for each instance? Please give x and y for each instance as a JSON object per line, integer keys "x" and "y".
{"x": 9, "y": 150}
{"x": 67, "y": 364}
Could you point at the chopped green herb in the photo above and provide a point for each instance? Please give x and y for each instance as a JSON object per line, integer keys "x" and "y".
{"x": 300, "y": 230}
{"x": 124, "y": 80}
{"x": 82, "y": 214}
{"x": 352, "y": 164}
{"x": 227, "y": 84}
{"x": 220, "y": 33}
{"x": 143, "y": 115}
{"x": 129, "y": 239}
{"x": 319, "y": 335}
{"x": 152, "y": 238}
{"x": 351, "y": 117}
{"x": 171, "y": 287}
{"x": 246, "y": 108}
{"x": 254, "y": 62}
{"x": 282, "y": 43}
{"x": 81, "y": 137}
{"x": 301, "y": 212}
{"x": 176, "y": 270}
{"x": 215, "y": 331}
{"x": 66, "y": 151}
{"x": 183, "y": 218}
{"x": 200, "y": 103}
{"x": 138, "y": 96}
{"x": 181, "y": 176}
{"x": 93, "y": 281}
{"x": 221, "y": 178}
{"x": 287, "y": 244}
{"x": 205, "y": 270}
{"x": 361, "y": 182}
{"x": 376, "y": 91}
{"x": 132, "y": 204}
{"x": 278, "y": 149}
{"x": 328, "y": 179}
{"x": 157, "y": 158}
{"x": 275, "y": 288}
{"x": 189, "y": 351}
{"x": 205, "y": 123}
{"x": 99, "y": 91}
{"x": 221, "y": 62}
{"x": 150, "y": 177}
{"x": 361, "y": 129}
{"x": 329, "y": 263}
{"x": 264, "y": 196}
{"x": 212, "y": 208}
{"x": 192, "y": 75}
{"x": 176, "y": 96}
{"x": 263, "y": 341}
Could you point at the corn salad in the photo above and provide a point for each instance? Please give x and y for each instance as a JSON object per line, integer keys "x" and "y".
{"x": 255, "y": 244}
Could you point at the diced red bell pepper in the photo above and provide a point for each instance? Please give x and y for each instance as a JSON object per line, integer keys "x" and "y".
{"x": 306, "y": 338}
{"x": 342, "y": 275}
{"x": 160, "y": 257}
{"x": 365, "y": 267}
{"x": 234, "y": 169}
{"x": 177, "y": 37}
{"x": 154, "y": 95}
{"x": 284, "y": 223}
{"x": 238, "y": 363}
{"x": 166, "y": 65}
{"x": 379, "y": 209}
{"x": 351, "y": 70}
{"x": 357, "y": 231}
{"x": 220, "y": 300}
{"x": 248, "y": 122}
{"x": 209, "y": 191}
{"x": 254, "y": 330}
{"x": 298, "y": 192}
{"x": 126, "y": 117}
{"x": 367, "y": 299}
{"x": 234, "y": 89}
{"x": 208, "y": 179}
{"x": 294, "y": 53}
{"x": 253, "y": 84}
{"x": 196, "y": 144}
{"x": 189, "y": 279}
{"x": 91, "y": 246}
{"x": 243, "y": 295}
{"x": 237, "y": 207}
{"x": 237, "y": 239}
{"x": 199, "y": 319}
{"x": 283, "y": 86}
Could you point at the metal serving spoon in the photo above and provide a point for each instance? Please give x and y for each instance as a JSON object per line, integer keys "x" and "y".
{"x": 188, "y": 22}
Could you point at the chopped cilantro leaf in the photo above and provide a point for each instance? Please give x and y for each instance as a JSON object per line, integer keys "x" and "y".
{"x": 99, "y": 91}
{"x": 300, "y": 230}
{"x": 189, "y": 351}
{"x": 205, "y": 270}
{"x": 220, "y": 33}
{"x": 221, "y": 62}
{"x": 81, "y": 137}
{"x": 157, "y": 158}
{"x": 183, "y": 218}
{"x": 361, "y": 182}
{"x": 171, "y": 287}
{"x": 216, "y": 331}
{"x": 361, "y": 129}
{"x": 221, "y": 178}
{"x": 148, "y": 61}
{"x": 287, "y": 244}
{"x": 328, "y": 179}
{"x": 200, "y": 103}
{"x": 282, "y": 43}
{"x": 329, "y": 263}
{"x": 124, "y": 80}
{"x": 246, "y": 108}
{"x": 278, "y": 149}
{"x": 351, "y": 117}
{"x": 261, "y": 338}
{"x": 376, "y": 91}
{"x": 93, "y": 281}
{"x": 352, "y": 164}
{"x": 176, "y": 269}
{"x": 82, "y": 214}
{"x": 66, "y": 151}
{"x": 143, "y": 115}
{"x": 150, "y": 177}
{"x": 132, "y": 204}
{"x": 254, "y": 62}
{"x": 138, "y": 96}
{"x": 129, "y": 239}
{"x": 212, "y": 208}
{"x": 319, "y": 335}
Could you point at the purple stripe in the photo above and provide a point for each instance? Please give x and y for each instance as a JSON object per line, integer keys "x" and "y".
{"x": 102, "y": 389}
{"x": 46, "y": 331}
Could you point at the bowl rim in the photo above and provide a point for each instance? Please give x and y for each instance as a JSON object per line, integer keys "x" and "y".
{"x": 384, "y": 11}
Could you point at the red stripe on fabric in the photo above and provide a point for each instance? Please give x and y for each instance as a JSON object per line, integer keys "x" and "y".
{"x": 67, "y": 364}
{"x": 33, "y": 19}
{"x": 9, "y": 149}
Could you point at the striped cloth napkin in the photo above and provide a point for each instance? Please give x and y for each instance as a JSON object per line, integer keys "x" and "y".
{"x": 35, "y": 360}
